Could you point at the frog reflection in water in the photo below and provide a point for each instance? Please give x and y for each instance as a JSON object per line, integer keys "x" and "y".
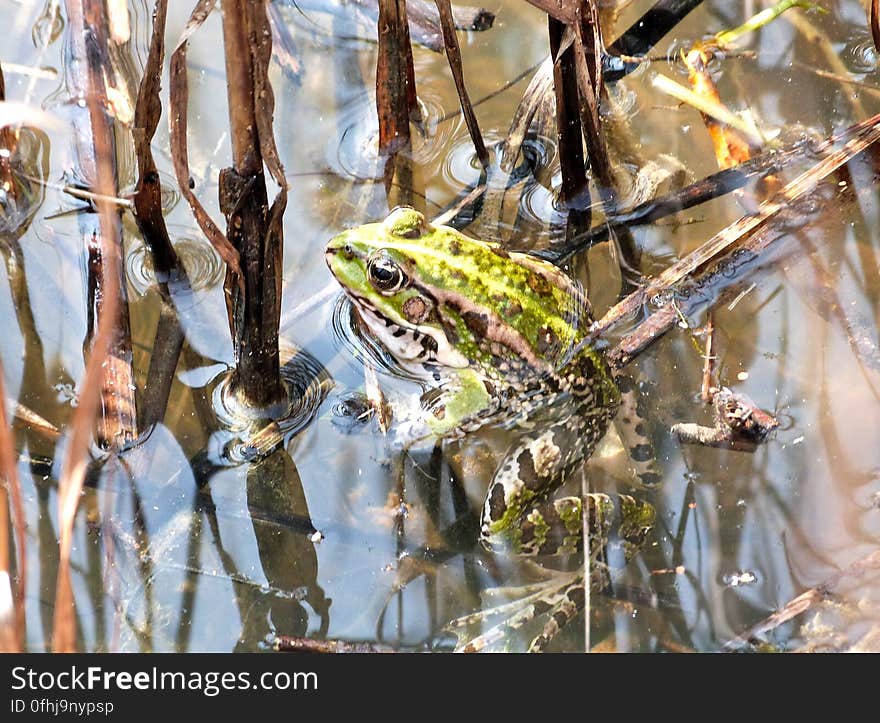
{"x": 500, "y": 333}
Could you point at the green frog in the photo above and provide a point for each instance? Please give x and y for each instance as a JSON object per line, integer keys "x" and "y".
{"x": 500, "y": 336}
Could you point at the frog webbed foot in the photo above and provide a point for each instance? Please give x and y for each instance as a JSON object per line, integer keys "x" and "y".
{"x": 618, "y": 529}
{"x": 544, "y": 607}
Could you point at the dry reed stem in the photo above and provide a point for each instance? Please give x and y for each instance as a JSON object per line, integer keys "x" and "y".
{"x": 177, "y": 123}
{"x": 395, "y": 78}
{"x": 76, "y": 455}
{"x": 148, "y": 191}
{"x": 453, "y": 55}
{"x": 253, "y": 227}
{"x": 574, "y": 191}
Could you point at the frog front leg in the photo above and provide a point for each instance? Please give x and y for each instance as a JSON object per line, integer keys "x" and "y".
{"x": 461, "y": 404}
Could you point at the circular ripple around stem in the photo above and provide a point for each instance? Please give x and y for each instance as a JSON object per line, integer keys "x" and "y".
{"x": 251, "y": 434}
{"x": 859, "y": 55}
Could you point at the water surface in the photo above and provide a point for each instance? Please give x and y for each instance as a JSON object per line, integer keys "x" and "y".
{"x": 182, "y": 544}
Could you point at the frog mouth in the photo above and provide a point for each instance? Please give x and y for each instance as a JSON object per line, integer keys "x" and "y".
{"x": 406, "y": 342}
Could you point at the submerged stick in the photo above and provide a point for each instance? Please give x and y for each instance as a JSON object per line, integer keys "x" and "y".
{"x": 710, "y": 108}
{"x": 89, "y": 68}
{"x": 713, "y": 186}
{"x": 804, "y": 602}
{"x": 740, "y": 236}
{"x": 34, "y": 421}
{"x": 283, "y": 46}
{"x": 117, "y": 424}
{"x": 286, "y": 644}
{"x": 740, "y": 424}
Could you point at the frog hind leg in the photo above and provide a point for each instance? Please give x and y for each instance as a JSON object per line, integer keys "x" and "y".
{"x": 618, "y": 529}
{"x": 519, "y": 515}
{"x": 560, "y": 597}
{"x": 635, "y": 521}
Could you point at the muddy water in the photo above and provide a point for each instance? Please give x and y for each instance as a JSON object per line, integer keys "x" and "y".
{"x": 183, "y": 543}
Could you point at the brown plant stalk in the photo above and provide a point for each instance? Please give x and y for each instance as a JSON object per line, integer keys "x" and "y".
{"x": 106, "y": 237}
{"x": 253, "y": 227}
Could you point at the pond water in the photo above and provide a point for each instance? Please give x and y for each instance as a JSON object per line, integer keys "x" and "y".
{"x": 183, "y": 544}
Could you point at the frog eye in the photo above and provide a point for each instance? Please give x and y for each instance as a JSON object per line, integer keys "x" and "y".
{"x": 385, "y": 274}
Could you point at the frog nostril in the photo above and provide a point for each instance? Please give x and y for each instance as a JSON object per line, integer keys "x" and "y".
{"x": 348, "y": 252}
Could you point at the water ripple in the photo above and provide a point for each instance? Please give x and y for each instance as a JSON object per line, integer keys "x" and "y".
{"x": 203, "y": 266}
{"x": 859, "y": 55}
{"x": 357, "y": 153}
{"x": 307, "y": 383}
{"x": 348, "y": 332}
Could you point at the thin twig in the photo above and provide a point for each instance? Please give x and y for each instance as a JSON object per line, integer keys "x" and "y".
{"x": 708, "y": 360}
{"x": 803, "y": 602}
{"x": 177, "y": 123}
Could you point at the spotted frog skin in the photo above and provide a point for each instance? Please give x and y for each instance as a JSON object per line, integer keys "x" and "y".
{"x": 502, "y": 335}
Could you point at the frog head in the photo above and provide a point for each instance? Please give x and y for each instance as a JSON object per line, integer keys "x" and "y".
{"x": 431, "y": 294}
